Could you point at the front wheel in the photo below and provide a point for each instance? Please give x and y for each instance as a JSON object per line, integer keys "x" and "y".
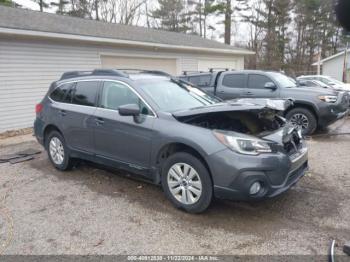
{"x": 304, "y": 119}
{"x": 187, "y": 183}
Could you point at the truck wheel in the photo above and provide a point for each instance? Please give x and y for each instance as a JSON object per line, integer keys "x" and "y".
{"x": 303, "y": 118}
{"x": 58, "y": 152}
{"x": 187, "y": 183}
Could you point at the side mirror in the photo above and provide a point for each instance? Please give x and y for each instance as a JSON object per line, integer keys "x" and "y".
{"x": 129, "y": 110}
{"x": 301, "y": 83}
{"x": 270, "y": 85}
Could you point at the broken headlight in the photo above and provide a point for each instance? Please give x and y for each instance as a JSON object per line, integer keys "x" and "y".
{"x": 243, "y": 145}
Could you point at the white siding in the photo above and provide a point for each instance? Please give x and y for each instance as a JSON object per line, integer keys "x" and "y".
{"x": 26, "y": 71}
{"x": 27, "y": 67}
{"x": 334, "y": 68}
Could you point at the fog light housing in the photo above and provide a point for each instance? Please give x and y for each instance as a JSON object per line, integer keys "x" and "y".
{"x": 255, "y": 188}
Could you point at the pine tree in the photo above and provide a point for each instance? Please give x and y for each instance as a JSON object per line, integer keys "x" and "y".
{"x": 172, "y": 16}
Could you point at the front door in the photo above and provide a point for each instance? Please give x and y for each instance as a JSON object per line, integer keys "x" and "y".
{"x": 256, "y": 87}
{"x": 124, "y": 139}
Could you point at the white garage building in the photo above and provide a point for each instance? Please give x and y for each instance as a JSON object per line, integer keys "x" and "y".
{"x": 333, "y": 66}
{"x": 36, "y": 48}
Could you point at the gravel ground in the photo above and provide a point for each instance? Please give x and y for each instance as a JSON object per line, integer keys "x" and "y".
{"x": 95, "y": 211}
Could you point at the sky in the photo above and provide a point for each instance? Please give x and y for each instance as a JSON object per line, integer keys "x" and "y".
{"x": 27, "y": 4}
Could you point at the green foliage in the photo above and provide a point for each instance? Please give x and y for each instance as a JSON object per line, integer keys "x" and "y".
{"x": 172, "y": 16}
{"x": 7, "y": 3}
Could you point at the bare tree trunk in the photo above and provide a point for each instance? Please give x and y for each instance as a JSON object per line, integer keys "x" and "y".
{"x": 228, "y": 13}
{"x": 96, "y": 10}
{"x": 41, "y": 4}
{"x": 200, "y": 18}
{"x": 147, "y": 14}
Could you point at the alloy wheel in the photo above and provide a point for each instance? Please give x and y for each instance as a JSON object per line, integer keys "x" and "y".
{"x": 56, "y": 150}
{"x": 300, "y": 120}
{"x": 184, "y": 183}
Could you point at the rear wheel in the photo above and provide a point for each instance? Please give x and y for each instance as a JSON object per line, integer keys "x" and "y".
{"x": 58, "y": 152}
{"x": 304, "y": 119}
{"x": 187, "y": 183}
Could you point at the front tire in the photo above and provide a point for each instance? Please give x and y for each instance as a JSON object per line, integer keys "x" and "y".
{"x": 58, "y": 152}
{"x": 303, "y": 118}
{"x": 187, "y": 183}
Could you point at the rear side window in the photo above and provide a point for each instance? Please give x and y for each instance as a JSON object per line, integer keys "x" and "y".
{"x": 63, "y": 93}
{"x": 202, "y": 80}
{"x": 85, "y": 93}
{"x": 258, "y": 81}
{"x": 310, "y": 83}
{"x": 234, "y": 80}
{"x": 116, "y": 94}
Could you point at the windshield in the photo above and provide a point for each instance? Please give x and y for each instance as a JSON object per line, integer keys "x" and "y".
{"x": 283, "y": 80}
{"x": 170, "y": 96}
{"x": 334, "y": 81}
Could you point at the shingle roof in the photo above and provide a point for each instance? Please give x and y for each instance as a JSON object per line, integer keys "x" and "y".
{"x": 16, "y": 18}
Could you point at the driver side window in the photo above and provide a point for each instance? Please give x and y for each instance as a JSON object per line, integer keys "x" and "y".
{"x": 116, "y": 94}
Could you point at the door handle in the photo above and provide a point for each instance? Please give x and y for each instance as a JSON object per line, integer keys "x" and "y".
{"x": 62, "y": 112}
{"x": 248, "y": 93}
{"x": 99, "y": 121}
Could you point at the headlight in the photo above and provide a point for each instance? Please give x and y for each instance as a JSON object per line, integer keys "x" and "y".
{"x": 328, "y": 99}
{"x": 241, "y": 145}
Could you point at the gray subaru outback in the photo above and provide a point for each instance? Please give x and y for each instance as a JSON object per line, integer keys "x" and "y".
{"x": 170, "y": 133}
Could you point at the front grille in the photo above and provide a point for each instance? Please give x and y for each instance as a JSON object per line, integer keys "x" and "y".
{"x": 293, "y": 144}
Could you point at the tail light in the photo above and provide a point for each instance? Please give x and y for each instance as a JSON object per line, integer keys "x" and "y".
{"x": 38, "y": 108}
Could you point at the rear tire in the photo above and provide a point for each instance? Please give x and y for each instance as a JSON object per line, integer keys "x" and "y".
{"x": 304, "y": 118}
{"x": 58, "y": 152}
{"x": 187, "y": 183}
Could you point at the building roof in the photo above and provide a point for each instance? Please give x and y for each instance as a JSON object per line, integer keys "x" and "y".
{"x": 28, "y": 21}
{"x": 330, "y": 57}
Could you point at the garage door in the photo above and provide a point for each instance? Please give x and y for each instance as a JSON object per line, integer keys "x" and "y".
{"x": 164, "y": 64}
{"x": 205, "y": 65}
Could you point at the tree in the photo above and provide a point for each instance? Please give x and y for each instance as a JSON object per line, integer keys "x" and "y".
{"x": 125, "y": 12}
{"x": 81, "y": 8}
{"x": 61, "y": 6}
{"x": 42, "y": 4}
{"x": 9, "y": 3}
{"x": 171, "y": 15}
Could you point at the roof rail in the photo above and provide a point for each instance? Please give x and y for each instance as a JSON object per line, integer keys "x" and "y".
{"x": 211, "y": 70}
{"x": 155, "y": 72}
{"x": 96, "y": 72}
{"x": 187, "y": 72}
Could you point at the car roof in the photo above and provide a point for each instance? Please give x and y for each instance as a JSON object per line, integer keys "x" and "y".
{"x": 130, "y": 74}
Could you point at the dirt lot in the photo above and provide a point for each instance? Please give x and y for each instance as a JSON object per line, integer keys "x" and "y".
{"x": 93, "y": 211}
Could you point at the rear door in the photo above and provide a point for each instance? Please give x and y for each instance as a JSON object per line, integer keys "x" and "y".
{"x": 231, "y": 85}
{"x": 256, "y": 87}
{"x": 76, "y": 117}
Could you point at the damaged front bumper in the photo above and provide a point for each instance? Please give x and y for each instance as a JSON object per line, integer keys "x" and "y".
{"x": 276, "y": 173}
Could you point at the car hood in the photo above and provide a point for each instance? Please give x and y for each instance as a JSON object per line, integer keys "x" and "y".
{"x": 248, "y": 104}
{"x": 315, "y": 90}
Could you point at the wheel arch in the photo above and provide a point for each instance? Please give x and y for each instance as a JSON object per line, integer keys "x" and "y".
{"x": 304, "y": 105}
{"x": 175, "y": 147}
{"x": 49, "y": 128}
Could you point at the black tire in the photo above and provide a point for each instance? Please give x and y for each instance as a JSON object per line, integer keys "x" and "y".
{"x": 67, "y": 162}
{"x": 311, "y": 118}
{"x": 206, "y": 195}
